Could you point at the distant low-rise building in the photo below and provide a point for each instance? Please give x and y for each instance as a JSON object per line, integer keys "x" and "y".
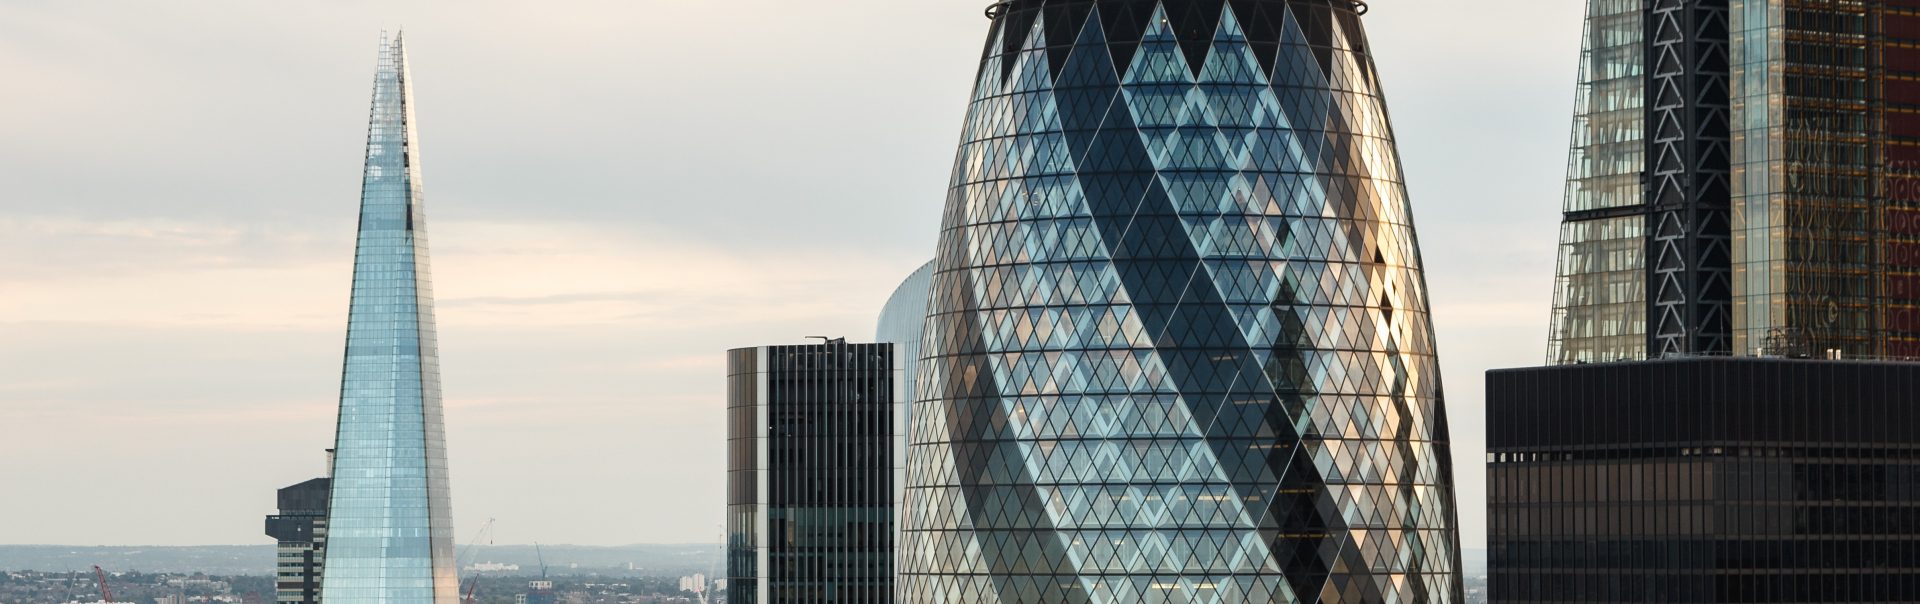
{"x": 538, "y": 592}
{"x": 695, "y": 584}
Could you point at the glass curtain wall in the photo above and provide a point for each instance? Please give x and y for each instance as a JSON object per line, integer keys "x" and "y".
{"x": 389, "y": 533}
{"x": 1599, "y": 305}
{"x": 1804, "y": 154}
{"x": 811, "y": 474}
{"x": 1179, "y": 347}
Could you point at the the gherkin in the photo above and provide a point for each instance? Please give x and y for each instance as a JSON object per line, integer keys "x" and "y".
{"x": 1179, "y": 347}
{"x": 389, "y": 527}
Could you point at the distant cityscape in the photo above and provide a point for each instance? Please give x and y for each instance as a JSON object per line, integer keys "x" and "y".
{"x": 1175, "y": 346}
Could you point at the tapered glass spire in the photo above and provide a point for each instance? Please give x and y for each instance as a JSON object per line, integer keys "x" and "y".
{"x": 389, "y": 533}
{"x": 1599, "y": 299}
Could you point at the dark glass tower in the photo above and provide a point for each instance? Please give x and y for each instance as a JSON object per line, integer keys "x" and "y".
{"x": 390, "y": 537}
{"x": 1740, "y": 202}
{"x": 1743, "y": 182}
{"x": 1179, "y": 347}
{"x": 811, "y": 474}
{"x": 1705, "y": 480}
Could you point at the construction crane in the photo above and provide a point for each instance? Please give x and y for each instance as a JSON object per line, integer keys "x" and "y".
{"x": 71, "y": 579}
{"x": 713, "y": 566}
{"x": 474, "y": 580}
{"x": 541, "y": 591}
{"x": 106, "y": 595}
{"x": 542, "y": 558}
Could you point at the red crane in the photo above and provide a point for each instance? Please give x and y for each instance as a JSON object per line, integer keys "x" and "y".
{"x": 106, "y": 595}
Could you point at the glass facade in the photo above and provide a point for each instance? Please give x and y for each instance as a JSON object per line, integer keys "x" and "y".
{"x": 1704, "y": 480}
{"x": 1179, "y": 347}
{"x": 1894, "y": 59}
{"x": 1805, "y": 149}
{"x": 811, "y": 474}
{"x": 389, "y": 537}
{"x": 1599, "y": 303}
{"x": 903, "y": 322}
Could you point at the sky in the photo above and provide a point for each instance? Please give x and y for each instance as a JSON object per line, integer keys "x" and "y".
{"x": 617, "y": 193}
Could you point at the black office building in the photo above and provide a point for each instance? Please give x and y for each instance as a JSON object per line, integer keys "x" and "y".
{"x": 301, "y": 529}
{"x": 811, "y": 473}
{"x": 1705, "y": 480}
{"x": 1737, "y": 206}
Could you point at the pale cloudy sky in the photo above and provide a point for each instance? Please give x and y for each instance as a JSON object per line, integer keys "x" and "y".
{"x": 617, "y": 192}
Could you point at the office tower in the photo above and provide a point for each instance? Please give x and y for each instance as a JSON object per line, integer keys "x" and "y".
{"x": 1599, "y": 310}
{"x": 810, "y": 473}
{"x": 1826, "y": 101}
{"x": 1742, "y": 182}
{"x": 903, "y": 321}
{"x": 1179, "y": 347}
{"x": 1705, "y": 480}
{"x": 300, "y": 527}
{"x": 1736, "y": 207}
{"x": 389, "y": 530}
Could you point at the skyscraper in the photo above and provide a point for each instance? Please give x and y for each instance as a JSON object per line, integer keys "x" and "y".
{"x": 811, "y": 473}
{"x": 1826, "y": 127}
{"x": 1599, "y": 306}
{"x": 903, "y": 322}
{"x": 1704, "y": 480}
{"x": 1738, "y": 188}
{"x": 1741, "y": 182}
{"x": 1179, "y": 346}
{"x": 389, "y": 537}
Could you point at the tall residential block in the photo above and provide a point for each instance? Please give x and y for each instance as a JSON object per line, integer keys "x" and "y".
{"x": 1179, "y": 347}
{"x": 300, "y": 529}
{"x": 389, "y": 527}
{"x": 811, "y": 473}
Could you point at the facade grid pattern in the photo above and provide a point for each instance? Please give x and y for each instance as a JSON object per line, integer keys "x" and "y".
{"x": 389, "y": 534}
{"x": 1806, "y": 206}
{"x": 810, "y": 474}
{"x": 1696, "y": 480}
{"x": 1600, "y": 303}
{"x": 1179, "y": 347}
{"x": 300, "y": 530}
{"x": 903, "y": 323}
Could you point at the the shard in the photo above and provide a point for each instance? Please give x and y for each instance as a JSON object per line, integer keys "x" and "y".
{"x": 1179, "y": 347}
{"x": 389, "y": 530}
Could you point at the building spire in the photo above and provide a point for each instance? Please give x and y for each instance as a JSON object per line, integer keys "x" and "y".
{"x": 390, "y": 525}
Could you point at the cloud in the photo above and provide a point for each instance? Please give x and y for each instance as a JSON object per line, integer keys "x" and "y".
{"x": 618, "y": 192}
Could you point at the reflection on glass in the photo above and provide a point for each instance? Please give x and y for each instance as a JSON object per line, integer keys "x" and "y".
{"x": 1599, "y": 301}
{"x": 389, "y": 532}
{"x": 1179, "y": 347}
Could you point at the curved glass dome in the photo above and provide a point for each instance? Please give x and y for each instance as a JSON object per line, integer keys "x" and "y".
{"x": 1179, "y": 347}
